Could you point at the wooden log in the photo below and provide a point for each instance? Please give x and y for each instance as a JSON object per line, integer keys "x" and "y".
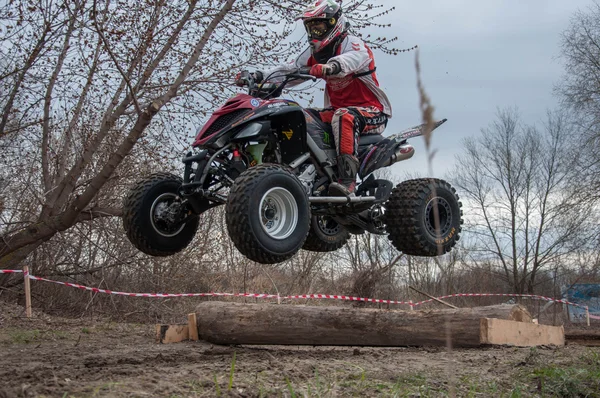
{"x": 235, "y": 323}
{"x": 586, "y": 334}
{"x": 586, "y": 337}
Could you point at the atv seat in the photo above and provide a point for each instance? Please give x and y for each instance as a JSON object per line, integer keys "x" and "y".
{"x": 366, "y": 142}
{"x": 323, "y": 135}
{"x": 370, "y": 139}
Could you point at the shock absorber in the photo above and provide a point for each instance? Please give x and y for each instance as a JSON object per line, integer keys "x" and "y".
{"x": 237, "y": 163}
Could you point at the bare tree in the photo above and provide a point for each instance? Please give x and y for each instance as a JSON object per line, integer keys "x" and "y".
{"x": 518, "y": 183}
{"x": 137, "y": 60}
{"x": 580, "y": 89}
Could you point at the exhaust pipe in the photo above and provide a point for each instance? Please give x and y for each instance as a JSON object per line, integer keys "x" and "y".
{"x": 404, "y": 151}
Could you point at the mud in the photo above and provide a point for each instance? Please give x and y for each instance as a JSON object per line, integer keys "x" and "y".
{"x": 56, "y": 357}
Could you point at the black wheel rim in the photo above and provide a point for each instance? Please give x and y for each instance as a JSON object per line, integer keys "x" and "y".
{"x": 444, "y": 212}
{"x": 164, "y": 215}
{"x": 328, "y": 226}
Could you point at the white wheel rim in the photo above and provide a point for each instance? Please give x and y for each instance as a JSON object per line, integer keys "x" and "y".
{"x": 278, "y": 213}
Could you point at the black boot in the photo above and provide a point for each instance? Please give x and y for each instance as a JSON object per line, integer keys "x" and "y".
{"x": 347, "y": 170}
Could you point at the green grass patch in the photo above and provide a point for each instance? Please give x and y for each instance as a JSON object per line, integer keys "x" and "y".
{"x": 573, "y": 381}
{"x": 36, "y": 336}
{"x": 25, "y": 336}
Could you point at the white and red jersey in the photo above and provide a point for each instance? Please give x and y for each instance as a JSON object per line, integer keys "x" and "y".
{"x": 356, "y": 85}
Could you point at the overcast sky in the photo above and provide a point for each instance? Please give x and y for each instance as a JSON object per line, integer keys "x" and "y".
{"x": 475, "y": 56}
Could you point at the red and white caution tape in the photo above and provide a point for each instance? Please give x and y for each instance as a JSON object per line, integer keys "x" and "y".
{"x": 212, "y": 294}
{"x": 10, "y": 271}
{"x": 296, "y": 297}
{"x": 156, "y": 295}
{"x": 532, "y": 296}
{"x": 346, "y": 298}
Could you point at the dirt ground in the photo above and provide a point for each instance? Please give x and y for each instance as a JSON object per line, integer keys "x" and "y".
{"x": 56, "y": 357}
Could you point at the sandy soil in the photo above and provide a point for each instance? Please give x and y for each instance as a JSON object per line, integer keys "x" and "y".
{"x": 56, "y": 357}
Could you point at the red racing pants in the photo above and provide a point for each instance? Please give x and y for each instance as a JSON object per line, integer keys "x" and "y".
{"x": 350, "y": 123}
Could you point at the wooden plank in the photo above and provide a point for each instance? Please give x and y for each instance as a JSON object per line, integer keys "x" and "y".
{"x": 193, "y": 327}
{"x": 236, "y": 323}
{"x": 520, "y": 334}
{"x": 167, "y": 334}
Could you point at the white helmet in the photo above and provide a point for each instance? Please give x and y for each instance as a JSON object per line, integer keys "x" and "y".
{"x": 324, "y": 23}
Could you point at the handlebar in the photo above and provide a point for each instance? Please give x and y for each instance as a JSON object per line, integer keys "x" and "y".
{"x": 266, "y": 90}
{"x": 303, "y": 73}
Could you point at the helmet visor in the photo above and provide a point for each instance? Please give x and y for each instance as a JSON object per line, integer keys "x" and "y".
{"x": 316, "y": 28}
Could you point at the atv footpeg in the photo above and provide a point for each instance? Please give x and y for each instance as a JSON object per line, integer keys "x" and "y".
{"x": 342, "y": 199}
{"x": 380, "y": 189}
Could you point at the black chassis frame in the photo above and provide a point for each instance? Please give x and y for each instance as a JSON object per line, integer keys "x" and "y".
{"x": 295, "y": 151}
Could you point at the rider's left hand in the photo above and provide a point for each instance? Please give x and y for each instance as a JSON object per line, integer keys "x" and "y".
{"x": 239, "y": 81}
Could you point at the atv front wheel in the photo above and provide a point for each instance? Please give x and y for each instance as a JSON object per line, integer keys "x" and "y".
{"x": 326, "y": 235}
{"x": 154, "y": 217}
{"x": 424, "y": 217}
{"x": 267, "y": 214}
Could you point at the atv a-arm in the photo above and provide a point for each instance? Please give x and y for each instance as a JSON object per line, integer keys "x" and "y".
{"x": 199, "y": 191}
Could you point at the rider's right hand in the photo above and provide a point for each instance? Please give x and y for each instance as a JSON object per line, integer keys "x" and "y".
{"x": 322, "y": 70}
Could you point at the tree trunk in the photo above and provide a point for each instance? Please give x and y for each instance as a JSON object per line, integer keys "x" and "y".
{"x": 235, "y": 323}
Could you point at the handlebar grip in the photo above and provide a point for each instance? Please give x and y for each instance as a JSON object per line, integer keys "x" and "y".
{"x": 241, "y": 79}
{"x": 305, "y": 70}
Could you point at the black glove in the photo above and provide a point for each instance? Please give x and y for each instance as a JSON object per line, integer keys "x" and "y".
{"x": 242, "y": 78}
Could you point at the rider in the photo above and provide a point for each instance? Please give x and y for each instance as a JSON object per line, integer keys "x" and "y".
{"x": 354, "y": 103}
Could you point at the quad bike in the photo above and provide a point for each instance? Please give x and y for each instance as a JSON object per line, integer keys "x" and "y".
{"x": 270, "y": 162}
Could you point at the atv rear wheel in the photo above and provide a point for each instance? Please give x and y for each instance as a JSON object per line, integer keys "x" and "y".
{"x": 267, "y": 214}
{"x": 154, "y": 215}
{"x": 411, "y": 214}
{"x": 325, "y": 235}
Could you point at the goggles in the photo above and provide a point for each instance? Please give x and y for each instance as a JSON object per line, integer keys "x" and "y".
{"x": 316, "y": 29}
